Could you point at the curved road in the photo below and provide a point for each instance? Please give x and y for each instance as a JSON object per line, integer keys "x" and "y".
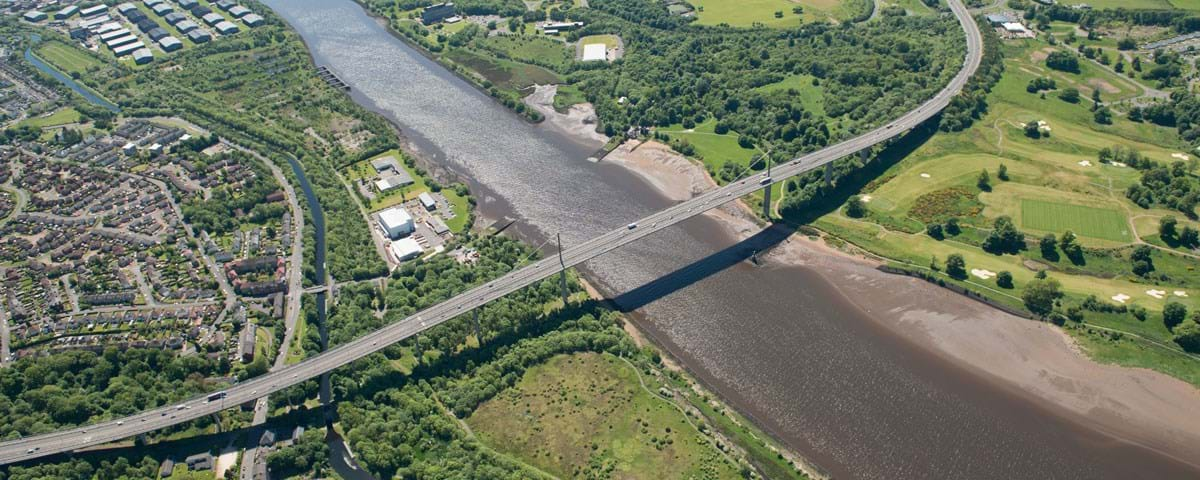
{"x": 150, "y": 420}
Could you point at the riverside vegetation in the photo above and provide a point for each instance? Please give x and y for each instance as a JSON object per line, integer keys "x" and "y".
{"x": 258, "y": 90}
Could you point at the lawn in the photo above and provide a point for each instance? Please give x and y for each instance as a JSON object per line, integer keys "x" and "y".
{"x": 609, "y": 41}
{"x": 586, "y": 416}
{"x": 67, "y": 58}
{"x": 712, "y": 148}
{"x": 1087, "y": 221}
{"x": 567, "y": 95}
{"x": 745, "y": 13}
{"x": 61, "y": 117}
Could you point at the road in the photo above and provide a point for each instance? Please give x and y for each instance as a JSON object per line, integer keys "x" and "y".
{"x": 279, "y": 379}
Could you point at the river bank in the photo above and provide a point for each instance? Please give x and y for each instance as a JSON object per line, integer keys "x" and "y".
{"x": 1032, "y": 359}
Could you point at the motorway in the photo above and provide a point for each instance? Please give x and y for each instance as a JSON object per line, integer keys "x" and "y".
{"x": 72, "y": 439}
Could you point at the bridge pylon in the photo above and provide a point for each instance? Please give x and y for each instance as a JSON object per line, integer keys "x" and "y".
{"x": 767, "y": 194}
{"x": 562, "y": 274}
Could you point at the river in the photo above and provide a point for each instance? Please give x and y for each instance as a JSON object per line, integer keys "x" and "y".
{"x": 779, "y": 343}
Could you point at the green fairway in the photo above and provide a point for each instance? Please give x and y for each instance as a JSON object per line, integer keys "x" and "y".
{"x": 714, "y": 149}
{"x": 67, "y": 58}
{"x": 586, "y": 416}
{"x": 1087, "y": 221}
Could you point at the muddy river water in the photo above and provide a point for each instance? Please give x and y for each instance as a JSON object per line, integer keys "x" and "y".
{"x": 780, "y": 343}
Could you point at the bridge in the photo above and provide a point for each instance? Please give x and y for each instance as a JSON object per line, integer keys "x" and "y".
{"x": 100, "y": 433}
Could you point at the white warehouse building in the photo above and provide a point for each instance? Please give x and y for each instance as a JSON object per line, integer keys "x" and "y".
{"x": 396, "y": 222}
{"x": 406, "y": 249}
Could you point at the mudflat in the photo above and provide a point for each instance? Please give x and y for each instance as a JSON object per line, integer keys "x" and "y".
{"x": 1032, "y": 359}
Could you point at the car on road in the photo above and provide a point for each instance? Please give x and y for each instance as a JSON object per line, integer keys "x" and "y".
{"x": 632, "y": 226}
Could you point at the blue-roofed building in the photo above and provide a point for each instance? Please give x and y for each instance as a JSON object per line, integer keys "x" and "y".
{"x": 170, "y": 44}
{"x": 142, "y": 56}
{"x": 252, "y": 20}
{"x": 227, "y": 28}
{"x": 35, "y": 16}
{"x": 199, "y": 36}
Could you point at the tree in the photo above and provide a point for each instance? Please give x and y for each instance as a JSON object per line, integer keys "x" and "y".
{"x": 1143, "y": 262}
{"x": 956, "y": 267}
{"x": 1040, "y": 295}
{"x": 984, "y": 182}
{"x": 1069, "y": 95}
{"x": 935, "y": 231}
{"x": 1063, "y": 60}
{"x": 1103, "y": 116}
{"x": 1002, "y": 173}
{"x": 1049, "y": 247}
{"x": 952, "y": 227}
{"x": 1189, "y": 237}
{"x": 1126, "y": 44}
{"x": 1004, "y": 237}
{"x": 1004, "y": 279}
{"x": 1071, "y": 247}
{"x": 1166, "y": 226}
{"x": 1032, "y": 130}
{"x": 1187, "y": 336}
{"x": 1173, "y": 314}
{"x": 855, "y": 208}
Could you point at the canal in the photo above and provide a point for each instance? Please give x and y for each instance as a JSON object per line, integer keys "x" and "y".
{"x": 779, "y": 343}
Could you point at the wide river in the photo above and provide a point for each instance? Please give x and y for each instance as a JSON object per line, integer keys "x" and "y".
{"x": 777, "y": 342}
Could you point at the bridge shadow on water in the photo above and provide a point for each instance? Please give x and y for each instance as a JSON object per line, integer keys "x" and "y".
{"x": 746, "y": 250}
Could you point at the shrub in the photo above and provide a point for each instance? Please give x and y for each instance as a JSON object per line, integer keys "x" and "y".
{"x": 956, "y": 267}
{"x": 1004, "y": 279}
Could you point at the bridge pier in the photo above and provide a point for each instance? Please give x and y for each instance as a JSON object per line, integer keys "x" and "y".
{"x": 562, "y": 274}
{"x": 767, "y": 202}
{"x": 475, "y": 318}
{"x": 864, "y": 155}
{"x": 829, "y": 175}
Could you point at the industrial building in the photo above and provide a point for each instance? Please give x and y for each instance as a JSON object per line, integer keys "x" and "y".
{"x": 396, "y": 222}
{"x": 239, "y": 11}
{"x": 406, "y": 249}
{"x": 95, "y": 22}
{"x": 199, "y": 36}
{"x": 226, "y": 28}
{"x": 383, "y": 164}
{"x": 116, "y": 42}
{"x": 595, "y": 51}
{"x": 35, "y": 16}
{"x": 93, "y": 11}
{"x": 226, "y": 4}
{"x": 108, "y": 27}
{"x": 186, "y": 26}
{"x": 170, "y": 44}
{"x": 213, "y": 18}
{"x": 142, "y": 56}
{"x": 188, "y": 4}
{"x": 157, "y": 34}
{"x": 427, "y": 201}
{"x": 436, "y": 13}
{"x": 125, "y": 8}
{"x": 393, "y": 181}
{"x": 174, "y": 17}
{"x": 66, "y": 13}
{"x": 162, "y": 9}
{"x": 111, "y": 34}
{"x": 252, "y": 20}
{"x": 128, "y": 49}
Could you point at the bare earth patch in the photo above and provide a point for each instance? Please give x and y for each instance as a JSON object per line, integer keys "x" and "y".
{"x": 1104, "y": 86}
{"x": 579, "y": 122}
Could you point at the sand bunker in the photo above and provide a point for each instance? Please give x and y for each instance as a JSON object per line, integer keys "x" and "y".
{"x": 1159, "y": 294}
{"x": 1119, "y": 164}
{"x": 1180, "y": 293}
{"x": 1120, "y": 298}
{"x": 924, "y": 175}
{"x": 981, "y": 273}
{"x": 1180, "y": 156}
{"x": 865, "y": 198}
{"x": 1085, "y": 163}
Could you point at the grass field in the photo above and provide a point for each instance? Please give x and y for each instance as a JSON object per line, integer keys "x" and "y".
{"x": 504, "y": 73}
{"x": 67, "y": 58}
{"x": 586, "y": 416}
{"x": 61, "y": 117}
{"x": 609, "y": 41}
{"x": 802, "y": 88}
{"x": 567, "y": 95}
{"x": 745, "y": 13}
{"x": 713, "y": 148}
{"x": 1087, "y": 221}
{"x": 533, "y": 49}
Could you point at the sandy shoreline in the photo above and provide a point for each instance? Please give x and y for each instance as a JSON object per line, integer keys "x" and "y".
{"x": 1033, "y": 359}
